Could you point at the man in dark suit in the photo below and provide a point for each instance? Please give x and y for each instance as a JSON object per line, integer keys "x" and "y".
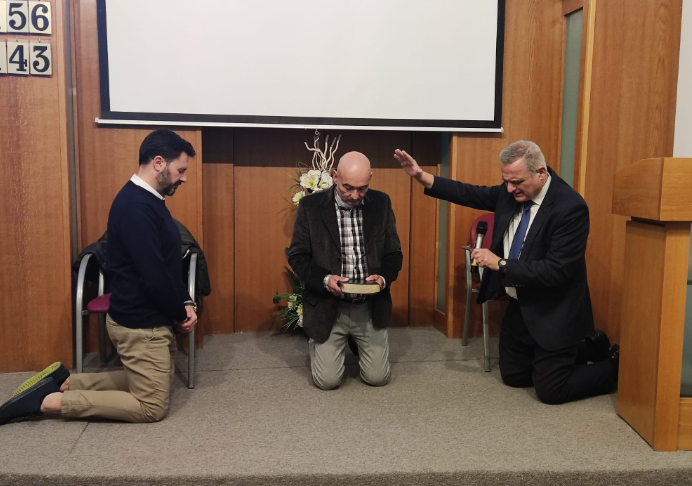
{"x": 346, "y": 233}
{"x": 537, "y": 257}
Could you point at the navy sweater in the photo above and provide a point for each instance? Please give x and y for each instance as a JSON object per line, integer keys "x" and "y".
{"x": 143, "y": 261}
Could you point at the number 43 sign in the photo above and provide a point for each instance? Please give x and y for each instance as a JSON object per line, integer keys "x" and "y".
{"x": 26, "y": 58}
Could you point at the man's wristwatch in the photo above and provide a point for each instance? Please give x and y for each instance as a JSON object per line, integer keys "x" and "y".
{"x": 502, "y": 264}
{"x": 192, "y": 304}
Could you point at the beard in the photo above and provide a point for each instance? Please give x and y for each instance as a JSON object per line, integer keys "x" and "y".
{"x": 164, "y": 181}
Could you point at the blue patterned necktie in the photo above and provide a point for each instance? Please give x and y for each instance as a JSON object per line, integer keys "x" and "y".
{"x": 518, "y": 240}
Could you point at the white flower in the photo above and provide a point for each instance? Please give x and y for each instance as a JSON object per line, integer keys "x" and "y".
{"x": 300, "y": 315}
{"x": 292, "y": 301}
{"x": 326, "y": 181}
{"x": 298, "y": 196}
{"x": 310, "y": 179}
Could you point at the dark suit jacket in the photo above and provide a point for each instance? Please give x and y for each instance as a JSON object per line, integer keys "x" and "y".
{"x": 550, "y": 274}
{"x": 315, "y": 252}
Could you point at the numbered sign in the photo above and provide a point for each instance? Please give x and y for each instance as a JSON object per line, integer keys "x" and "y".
{"x": 39, "y": 18}
{"x": 17, "y": 17}
{"x": 3, "y": 57}
{"x": 18, "y": 58}
{"x": 3, "y": 17}
{"x": 40, "y": 60}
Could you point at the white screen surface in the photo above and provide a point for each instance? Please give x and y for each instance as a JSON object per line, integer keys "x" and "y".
{"x": 387, "y": 63}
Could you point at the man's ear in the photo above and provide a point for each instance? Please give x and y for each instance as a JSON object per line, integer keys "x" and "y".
{"x": 158, "y": 163}
{"x": 334, "y": 177}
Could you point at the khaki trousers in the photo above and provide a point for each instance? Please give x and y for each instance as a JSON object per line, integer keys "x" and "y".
{"x": 138, "y": 393}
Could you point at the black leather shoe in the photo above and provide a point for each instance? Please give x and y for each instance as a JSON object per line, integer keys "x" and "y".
{"x": 597, "y": 346}
{"x": 28, "y": 403}
{"x": 56, "y": 371}
{"x": 352, "y": 345}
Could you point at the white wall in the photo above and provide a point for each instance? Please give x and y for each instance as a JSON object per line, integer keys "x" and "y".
{"x": 683, "y": 115}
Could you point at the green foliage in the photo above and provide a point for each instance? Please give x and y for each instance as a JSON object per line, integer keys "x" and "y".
{"x": 292, "y": 312}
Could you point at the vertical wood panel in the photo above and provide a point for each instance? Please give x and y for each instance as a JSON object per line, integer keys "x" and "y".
{"x": 632, "y": 116}
{"x": 654, "y": 312}
{"x": 34, "y": 214}
{"x": 219, "y": 233}
{"x": 640, "y": 344}
{"x": 423, "y": 236}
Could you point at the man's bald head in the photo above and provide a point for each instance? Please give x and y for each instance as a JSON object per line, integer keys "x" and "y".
{"x": 352, "y": 177}
{"x": 353, "y": 162}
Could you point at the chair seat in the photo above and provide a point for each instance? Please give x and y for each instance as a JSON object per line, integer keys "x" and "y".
{"x": 99, "y": 305}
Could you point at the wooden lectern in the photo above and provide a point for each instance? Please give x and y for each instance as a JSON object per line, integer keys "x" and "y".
{"x": 657, "y": 195}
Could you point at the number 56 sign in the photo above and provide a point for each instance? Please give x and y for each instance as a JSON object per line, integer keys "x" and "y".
{"x": 25, "y": 18}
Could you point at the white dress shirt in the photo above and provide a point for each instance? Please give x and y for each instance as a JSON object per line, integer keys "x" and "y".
{"x": 141, "y": 183}
{"x": 514, "y": 224}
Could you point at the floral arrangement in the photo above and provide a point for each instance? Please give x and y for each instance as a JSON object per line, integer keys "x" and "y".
{"x": 309, "y": 179}
{"x": 319, "y": 177}
{"x": 292, "y": 312}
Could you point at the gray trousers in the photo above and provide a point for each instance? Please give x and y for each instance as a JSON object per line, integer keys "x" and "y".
{"x": 327, "y": 359}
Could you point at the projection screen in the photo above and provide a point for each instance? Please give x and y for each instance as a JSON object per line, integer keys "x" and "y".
{"x": 365, "y": 64}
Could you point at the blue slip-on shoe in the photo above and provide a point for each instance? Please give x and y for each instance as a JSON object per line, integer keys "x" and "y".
{"x": 28, "y": 403}
{"x": 56, "y": 371}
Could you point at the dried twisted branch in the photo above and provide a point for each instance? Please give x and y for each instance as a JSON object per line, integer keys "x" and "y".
{"x": 323, "y": 160}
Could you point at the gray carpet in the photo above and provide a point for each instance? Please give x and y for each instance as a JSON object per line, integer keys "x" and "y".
{"x": 256, "y": 418}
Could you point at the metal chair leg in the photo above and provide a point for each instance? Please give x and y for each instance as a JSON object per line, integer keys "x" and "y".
{"x": 191, "y": 360}
{"x": 191, "y": 279}
{"x": 102, "y": 337}
{"x": 79, "y": 341}
{"x": 79, "y": 311}
{"x": 469, "y": 299}
{"x": 486, "y": 338}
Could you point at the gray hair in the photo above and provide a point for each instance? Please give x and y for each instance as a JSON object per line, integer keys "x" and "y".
{"x": 526, "y": 150}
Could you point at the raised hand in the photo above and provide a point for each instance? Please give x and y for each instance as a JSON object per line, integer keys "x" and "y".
{"x": 408, "y": 163}
{"x": 412, "y": 168}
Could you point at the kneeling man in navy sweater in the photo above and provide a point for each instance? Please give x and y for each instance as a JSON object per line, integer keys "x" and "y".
{"x": 148, "y": 299}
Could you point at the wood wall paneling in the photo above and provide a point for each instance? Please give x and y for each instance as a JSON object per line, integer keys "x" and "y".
{"x": 632, "y": 116}
{"x": 35, "y": 214}
{"x": 422, "y": 256}
{"x": 219, "y": 235}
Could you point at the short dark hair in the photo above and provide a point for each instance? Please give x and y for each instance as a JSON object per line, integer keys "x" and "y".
{"x": 165, "y": 143}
